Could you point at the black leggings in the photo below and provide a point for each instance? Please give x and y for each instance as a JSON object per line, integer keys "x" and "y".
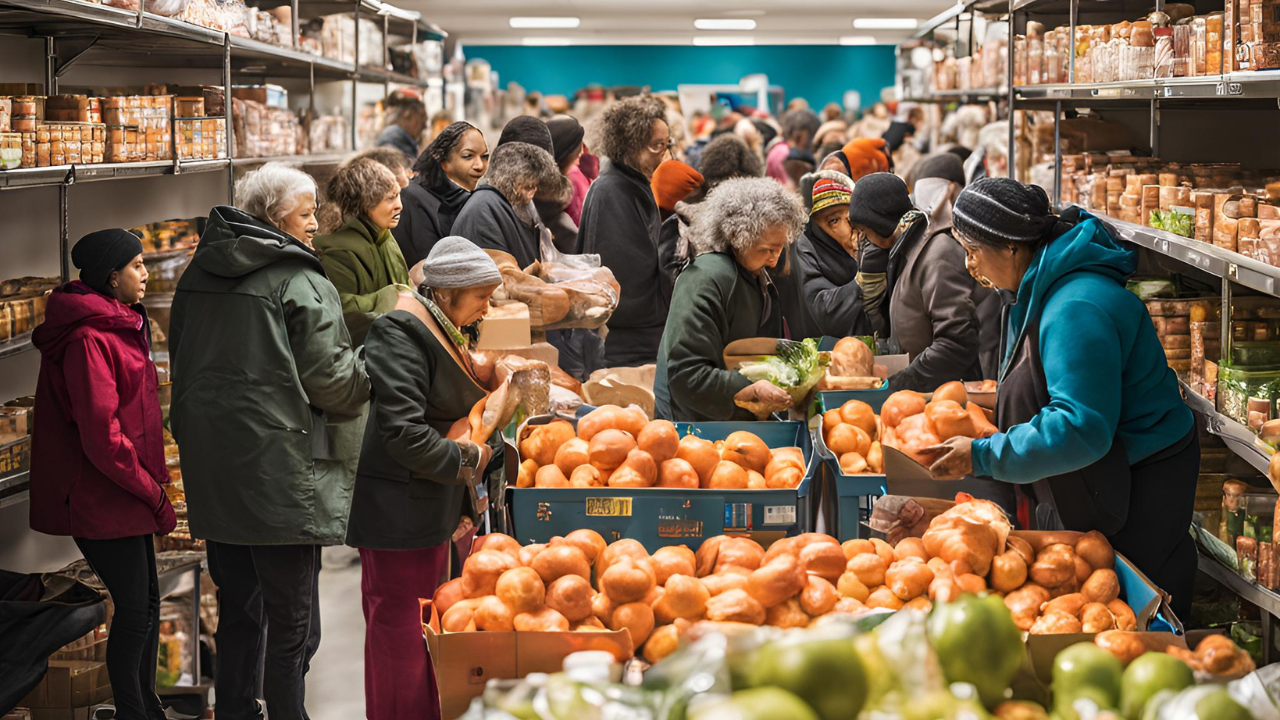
{"x": 1156, "y": 536}
{"x": 127, "y": 566}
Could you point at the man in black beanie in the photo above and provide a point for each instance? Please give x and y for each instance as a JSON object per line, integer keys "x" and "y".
{"x": 566, "y": 140}
{"x": 925, "y": 301}
{"x": 101, "y": 253}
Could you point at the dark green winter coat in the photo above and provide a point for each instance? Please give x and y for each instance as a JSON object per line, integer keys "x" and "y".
{"x": 365, "y": 264}
{"x": 264, "y": 375}
{"x": 408, "y": 495}
{"x": 715, "y": 302}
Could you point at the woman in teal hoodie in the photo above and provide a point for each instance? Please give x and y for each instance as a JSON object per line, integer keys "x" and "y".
{"x": 1093, "y": 428}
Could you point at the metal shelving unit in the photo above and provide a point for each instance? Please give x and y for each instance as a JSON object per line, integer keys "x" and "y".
{"x": 85, "y": 33}
{"x": 959, "y": 18}
{"x": 1160, "y": 100}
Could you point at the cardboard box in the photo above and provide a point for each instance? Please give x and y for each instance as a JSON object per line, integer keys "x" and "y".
{"x": 464, "y": 662}
{"x": 70, "y": 684}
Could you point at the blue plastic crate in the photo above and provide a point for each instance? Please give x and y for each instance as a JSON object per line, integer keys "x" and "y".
{"x": 846, "y": 499}
{"x": 663, "y": 516}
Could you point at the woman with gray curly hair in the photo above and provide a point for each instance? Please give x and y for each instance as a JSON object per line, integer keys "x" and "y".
{"x": 743, "y": 230}
{"x": 500, "y": 214}
{"x": 621, "y": 222}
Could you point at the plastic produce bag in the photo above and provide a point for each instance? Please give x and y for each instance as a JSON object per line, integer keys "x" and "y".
{"x": 796, "y": 367}
{"x": 562, "y": 291}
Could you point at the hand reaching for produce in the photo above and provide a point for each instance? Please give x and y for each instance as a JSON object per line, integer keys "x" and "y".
{"x": 464, "y": 526}
{"x": 771, "y": 396}
{"x": 953, "y": 458}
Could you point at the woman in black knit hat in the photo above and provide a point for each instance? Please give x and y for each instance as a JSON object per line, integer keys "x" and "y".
{"x": 1093, "y": 429}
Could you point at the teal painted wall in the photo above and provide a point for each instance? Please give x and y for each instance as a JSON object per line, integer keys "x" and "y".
{"x": 817, "y": 73}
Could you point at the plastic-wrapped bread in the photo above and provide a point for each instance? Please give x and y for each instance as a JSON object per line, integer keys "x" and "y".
{"x": 560, "y": 294}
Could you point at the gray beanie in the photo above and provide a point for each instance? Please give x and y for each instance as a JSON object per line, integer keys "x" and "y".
{"x": 456, "y": 262}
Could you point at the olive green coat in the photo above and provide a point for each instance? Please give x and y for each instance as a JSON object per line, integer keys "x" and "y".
{"x": 264, "y": 377}
{"x": 365, "y": 264}
{"x": 715, "y": 302}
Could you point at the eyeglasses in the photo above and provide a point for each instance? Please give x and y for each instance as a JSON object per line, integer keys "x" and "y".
{"x": 661, "y": 147}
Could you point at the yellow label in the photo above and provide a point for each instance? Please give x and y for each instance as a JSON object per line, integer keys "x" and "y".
{"x": 608, "y": 507}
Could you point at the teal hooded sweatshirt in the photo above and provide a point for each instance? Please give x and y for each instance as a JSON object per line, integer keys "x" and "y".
{"x": 1103, "y": 364}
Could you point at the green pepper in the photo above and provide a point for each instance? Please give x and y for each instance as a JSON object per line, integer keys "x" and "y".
{"x": 977, "y": 643}
{"x": 763, "y": 703}
{"x": 1086, "y": 671}
{"x": 1147, "y": 675}
{"x": 828, "y": 673}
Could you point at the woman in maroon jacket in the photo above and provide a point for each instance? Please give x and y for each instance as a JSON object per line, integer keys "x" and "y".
{"x": 97, "y": 456}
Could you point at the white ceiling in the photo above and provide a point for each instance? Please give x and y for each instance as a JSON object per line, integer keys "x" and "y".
{"x": 671, "y": 21}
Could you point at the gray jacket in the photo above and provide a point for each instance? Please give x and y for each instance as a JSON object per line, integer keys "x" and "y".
{"x": 934, "y": 308}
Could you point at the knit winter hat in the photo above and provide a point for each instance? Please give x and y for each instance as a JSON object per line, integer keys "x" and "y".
{"x": 996, "y": 210}
{"x": 827, "y": 193}
{"x": 865, "y": 156}
{"x": 897, "y": 134}
{"x": 672, "y": 182}
{"x": 101, "y": 253}
{"x": 566, "y": 136}
{"x": 879, "y": 201}
{"x": 527, "y": 129}
{"x": 456, "y": 262}
{"x": 945, "y": 165}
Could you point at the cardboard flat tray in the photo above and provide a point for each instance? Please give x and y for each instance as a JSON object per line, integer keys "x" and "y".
{"x": 665, "y": 516}
{"x": 465, "y": 662}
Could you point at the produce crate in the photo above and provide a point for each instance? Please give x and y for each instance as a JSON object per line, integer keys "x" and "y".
{"x": 668, "y": 516}
{"x": 845, "y": 499}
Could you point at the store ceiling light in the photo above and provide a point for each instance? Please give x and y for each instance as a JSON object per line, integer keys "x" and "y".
{"x": 857, "y": 40}
{"x": 724, "y": 24}
{"x": 544, "y": 22}
{"x": 886, "y": 23}
{"x": 722, "y": 40}
{"x": 545, "y": 41}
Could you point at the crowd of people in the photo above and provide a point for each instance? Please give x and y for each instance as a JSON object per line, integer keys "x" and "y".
{"x": 322, "y": 376}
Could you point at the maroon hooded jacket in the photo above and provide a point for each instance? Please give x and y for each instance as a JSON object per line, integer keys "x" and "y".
{"x": 97, "y": 450}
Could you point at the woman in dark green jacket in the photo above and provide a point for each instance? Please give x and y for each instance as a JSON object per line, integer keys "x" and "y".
{"x": 727, "y": 294}
{"x": 361, "y": 257}
{"x": 416, "y": 468}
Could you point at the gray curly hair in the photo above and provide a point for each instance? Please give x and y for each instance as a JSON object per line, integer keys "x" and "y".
{"x": 272, "y": 191}
{"x": 625, "y": 126}
{"x": 517, "y": 163}
{"x": 736, "y": 215}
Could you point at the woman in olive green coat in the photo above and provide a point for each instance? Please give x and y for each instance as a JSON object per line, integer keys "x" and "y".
{"x": 361, "y": 258}
{"x": 726, "y": 295}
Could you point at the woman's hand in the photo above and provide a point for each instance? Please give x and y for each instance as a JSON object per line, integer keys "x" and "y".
{"x": 774, "y": 398}
{"x": 464, "y": 526}
{"x": 486, "y": 454}
{"x": 953, "y": 458}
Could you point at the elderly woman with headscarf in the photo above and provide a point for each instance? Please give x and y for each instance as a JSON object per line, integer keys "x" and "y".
{"x": 500, "y": 214}
{"x": 361, "y": 258}
{"x": 828, "y": 255}
{"x": 620, "y": 222}
{"x": 447, "y": 173}
{"x": 416, "y": 469}
{"x": 727, "y": 294}
{"x": 263, "y": 370}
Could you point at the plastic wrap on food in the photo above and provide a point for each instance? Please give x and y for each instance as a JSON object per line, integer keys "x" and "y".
{"x": 580, "y": 296}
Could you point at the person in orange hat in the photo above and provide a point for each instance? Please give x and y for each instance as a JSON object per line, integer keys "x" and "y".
{"x": 672, "y": 182}
{"x": 860, "y": 157}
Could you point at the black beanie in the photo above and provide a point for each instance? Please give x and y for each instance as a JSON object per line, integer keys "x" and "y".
{"x": 943, "y": 165}
{"x": 527, "y": 129}
{"x": 995, "y": 210}
{"x": 897, "y": 134}
{"x": 566, "y": 136}
{"x": 101, "y": 253}
{"x": 879, "y": 201}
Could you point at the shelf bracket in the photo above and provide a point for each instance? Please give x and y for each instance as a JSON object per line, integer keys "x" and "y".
{"x": 69, "y": 50}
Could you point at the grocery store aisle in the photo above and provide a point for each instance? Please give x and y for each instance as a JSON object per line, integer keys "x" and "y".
{"x": 335, "y": 685}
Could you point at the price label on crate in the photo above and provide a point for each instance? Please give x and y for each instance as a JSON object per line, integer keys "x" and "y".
{"x": 779, "y": 514}
{"x": 608, "y": 507}
{"x": 737, "y": 517}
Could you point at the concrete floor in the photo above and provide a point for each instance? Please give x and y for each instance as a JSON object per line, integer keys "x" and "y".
{"x": 335, "y": 685}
